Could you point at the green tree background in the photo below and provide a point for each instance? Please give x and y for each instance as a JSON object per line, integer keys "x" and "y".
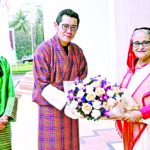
{"x": 27, "y": 34}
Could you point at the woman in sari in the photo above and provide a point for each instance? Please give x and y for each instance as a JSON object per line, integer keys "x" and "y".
{"x": 8, "y": 104}
{"x": 135, "y": 124}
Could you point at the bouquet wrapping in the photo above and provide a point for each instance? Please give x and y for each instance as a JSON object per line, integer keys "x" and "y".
{"x": 96, "y": 98}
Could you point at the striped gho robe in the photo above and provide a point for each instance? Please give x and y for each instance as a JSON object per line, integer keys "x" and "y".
{"x": 8, "y": 103}
{"x": 52, "y": 66}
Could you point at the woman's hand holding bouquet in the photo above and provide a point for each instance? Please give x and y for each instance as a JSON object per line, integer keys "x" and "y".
{"x": 128, "y": 106}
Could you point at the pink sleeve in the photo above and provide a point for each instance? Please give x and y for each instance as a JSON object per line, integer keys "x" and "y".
{"x": 145, "y": 112}
{"x": 146, "y": 109}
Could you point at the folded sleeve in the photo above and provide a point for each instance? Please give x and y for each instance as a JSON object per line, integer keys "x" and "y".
{"x": 54, "y": 96}
{"x": 11, "y": 108}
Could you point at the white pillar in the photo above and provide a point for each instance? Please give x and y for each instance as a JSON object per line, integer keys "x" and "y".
{"x": 5, "y": 48}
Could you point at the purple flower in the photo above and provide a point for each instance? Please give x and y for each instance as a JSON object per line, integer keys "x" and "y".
{"x": 105, "y": 96}
{"x": 103, "y": 110}
{"x": 70, "y": 91}
{"x": 103, "y": 83}
{"x": 76, "y": 89}
{"x": 107, "y": 114}
{"x": 77, "y": 80}
{"x": 70, "y": 96}
{"x": 108, "y": 88}
{"x": 90, "y": 102}
{"x": 101, "y": 98}
{"x": 93, "y": 79}
{"x": 83, "y": 99}
{"x": 79, "y": 99}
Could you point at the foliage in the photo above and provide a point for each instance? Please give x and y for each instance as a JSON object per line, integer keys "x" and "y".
{"x": 23, "y": 44}
{"x": 20, "y": 22}
{"x": 21, "y": 68}
{"x": 28, "y": 34}
{"x": 39, "y": 27}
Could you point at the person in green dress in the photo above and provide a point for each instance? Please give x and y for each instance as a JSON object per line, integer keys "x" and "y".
{"x": 8, "y": 104}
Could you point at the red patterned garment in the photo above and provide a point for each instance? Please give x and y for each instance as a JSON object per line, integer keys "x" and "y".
{"x": 52, "y": 66}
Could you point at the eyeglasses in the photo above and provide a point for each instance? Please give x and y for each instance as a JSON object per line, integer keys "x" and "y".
{"x": 65, "y": 27}
{"x": 144, "y": 44}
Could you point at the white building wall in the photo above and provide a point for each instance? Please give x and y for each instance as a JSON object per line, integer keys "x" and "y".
{"x": 104, "y": 31}
{"x": 5, "y": 48}
{"x": 93, "y": 34}
{"x": 129, "y": 14}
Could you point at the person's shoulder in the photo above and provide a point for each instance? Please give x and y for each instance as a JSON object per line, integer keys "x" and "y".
{"x": 76, "y": 47}
{"x": 4, "y": 62}
{"x": 3, "y": 59}
{"x": 43, "y": 46}
{"x": 47, "y": 42}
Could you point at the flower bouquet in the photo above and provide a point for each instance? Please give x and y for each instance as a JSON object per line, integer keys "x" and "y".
{"x": 93, "y": 99}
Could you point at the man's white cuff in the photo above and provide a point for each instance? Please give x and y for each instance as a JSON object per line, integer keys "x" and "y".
{"x": 54, "y": 96}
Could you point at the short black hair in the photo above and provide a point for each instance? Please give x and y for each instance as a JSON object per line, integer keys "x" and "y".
{"x": 68, "y": 12}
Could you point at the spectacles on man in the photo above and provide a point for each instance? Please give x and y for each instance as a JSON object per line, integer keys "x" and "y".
{"x": 65, "y": 27}
{"x": 144, "y": 44}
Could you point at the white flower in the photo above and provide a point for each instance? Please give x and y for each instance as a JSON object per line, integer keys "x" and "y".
{"x": 86, "y": 108}
{"x": 72, "y": 87}
{"x": 116, "y": 89}
{"x": 87, "y": 80}
{"x": 90, "y": 96}
{"x": 96, "y": 114}
{"x": 80, "y": 94}
{"x": 99, "y": 91}
{"x": 110, "y": 93}
{"x": 89, "y": 88}
{"x": 111, "y": 102}
{"x": 118, "y": 98}
{"x": 73, "y": 104}
{"x": 96, "y": 104}
{"x": 97, "y": 83}
{"x": 78, "y": 114}
{"x": 80, "y": 85}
